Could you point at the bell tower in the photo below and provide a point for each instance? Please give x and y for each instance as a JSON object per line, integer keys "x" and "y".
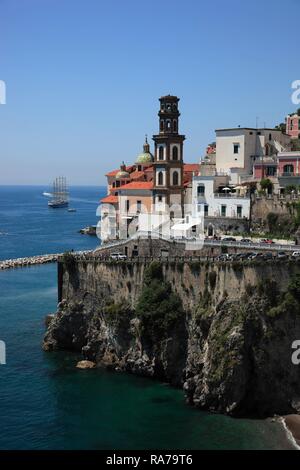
{"x": 168, "y": 157}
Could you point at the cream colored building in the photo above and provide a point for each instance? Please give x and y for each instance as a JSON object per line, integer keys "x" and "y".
{"x": 238, "y": 148}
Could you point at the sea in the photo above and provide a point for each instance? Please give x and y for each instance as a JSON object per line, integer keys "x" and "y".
{"x": 45, "y": 402}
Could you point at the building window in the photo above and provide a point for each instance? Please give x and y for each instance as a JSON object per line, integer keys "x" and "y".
{"x": 175, "y": 178}
{"x": 194, "y": 229}
{"x": 270, "y": 136}
{"x": 162, "y": 125}
{"x": 175, "y": 153}
{"x": 223, "y": 211}
{"x": 159, "y": 198}
{"x": 267, "y": 150}
{"x": 160, "y": 153}
{"x": 174, "y": 125}
{"x": 236, "y": 148}
{"x": 299, "y": 124}
{"x": 271, "y": 170}
{"x": 127, "y": 205}
{"x": 168, "y": 124}
{"x": 201, "y": 190}
{"x": 138, "y": 206}
{"x": 174, "y": 107}
{"x": 288, "y": 169}
{"x": 160, "y": 178}
{"x": 205, "y": 210}
{"x": 117, "y": 184}
{"x": 239, "y": 211}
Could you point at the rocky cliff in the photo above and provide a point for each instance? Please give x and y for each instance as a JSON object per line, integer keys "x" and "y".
{"x": 223, "y": 332}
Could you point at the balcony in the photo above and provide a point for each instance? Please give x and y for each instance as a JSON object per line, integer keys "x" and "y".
{"x": 231, "y": 196}
{"x": 289, "y": 173}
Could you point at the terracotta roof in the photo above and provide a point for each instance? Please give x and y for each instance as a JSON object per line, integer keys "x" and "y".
{"x": 149, "y": 169}
{"x": 114, "y": 172}
{"x": 138, "y": 185}
{"x": 109, "y": 199}
{"x": 137, "y": 174}
{"x": 190, "y": 167}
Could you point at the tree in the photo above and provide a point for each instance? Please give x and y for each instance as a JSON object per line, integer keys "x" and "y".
{"x": 266, "y": 185}
{"x": 158, "y": 307}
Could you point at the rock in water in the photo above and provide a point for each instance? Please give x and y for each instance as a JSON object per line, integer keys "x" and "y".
{"x": 85, "y": 365}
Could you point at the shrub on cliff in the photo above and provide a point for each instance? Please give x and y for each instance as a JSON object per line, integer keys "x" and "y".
{"x": 117, "y": 314}
{"x": 290, "y": 299}
{"x": 158, "y": 307}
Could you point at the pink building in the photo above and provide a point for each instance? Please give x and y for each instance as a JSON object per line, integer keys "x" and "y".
{"x": 265, "y": 169}
{"x": 289, "y": 164}
{"x": 293, "y": 125}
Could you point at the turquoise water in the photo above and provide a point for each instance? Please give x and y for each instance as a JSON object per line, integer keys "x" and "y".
{"x": 46, "y": 403}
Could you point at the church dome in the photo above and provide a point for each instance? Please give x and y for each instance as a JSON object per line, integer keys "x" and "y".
{"x": 146, "y": 156}
{"x": 122, "y": 173}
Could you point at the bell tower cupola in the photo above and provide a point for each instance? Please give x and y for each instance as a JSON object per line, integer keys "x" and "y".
{"x": 168, "y": 115}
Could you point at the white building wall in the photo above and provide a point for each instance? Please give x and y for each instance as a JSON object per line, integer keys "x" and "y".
{"x": 216, "y": 201}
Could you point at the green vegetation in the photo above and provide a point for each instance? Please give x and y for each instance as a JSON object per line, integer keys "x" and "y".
{"x": 158, "y": 307}
{"x": 290, "y": 188}
{"x": 289, "y": 301}
{"x": 296, "y": 144}
{"x": 204, "y": 308}
{"x": 266, "y": 185}
{"x": 117, "y": 314}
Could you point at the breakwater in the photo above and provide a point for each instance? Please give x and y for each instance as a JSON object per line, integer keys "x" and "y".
{"x": 34, "y": 260}
{"x": 30, "y": 261}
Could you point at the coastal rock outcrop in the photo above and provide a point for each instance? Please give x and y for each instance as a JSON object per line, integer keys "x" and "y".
{"x": 230, "y": 353}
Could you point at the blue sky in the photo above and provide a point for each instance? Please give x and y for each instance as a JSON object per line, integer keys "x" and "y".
{"x": 83, "y": 78}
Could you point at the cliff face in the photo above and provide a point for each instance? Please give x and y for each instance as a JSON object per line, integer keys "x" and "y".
{"x": 222, "y": 332}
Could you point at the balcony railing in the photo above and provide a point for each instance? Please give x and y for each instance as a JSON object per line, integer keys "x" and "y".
{"x": 232, "y": 195}
{"x": 289, "y": 173}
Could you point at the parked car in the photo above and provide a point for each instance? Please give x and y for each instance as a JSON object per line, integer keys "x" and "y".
{"x": 267, "y": 256}
{"x": 296, "y": 254}
{"x": 246, "y": 240}
{"x": 228, "y": 239}
{"x": 267, "y": 241}
{"x": 224, "y": 257}
{"x": 241, "y": 256}
{"x": 282, "y": 255}
{"x": 118, "y": 256}
{"x": 255, "y": 255}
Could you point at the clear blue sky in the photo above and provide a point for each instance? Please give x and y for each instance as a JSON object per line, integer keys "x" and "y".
{"x": 84, "y": 77}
